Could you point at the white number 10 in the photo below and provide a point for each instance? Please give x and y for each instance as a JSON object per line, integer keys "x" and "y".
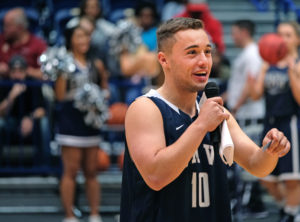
{"x": 203, "y": 190}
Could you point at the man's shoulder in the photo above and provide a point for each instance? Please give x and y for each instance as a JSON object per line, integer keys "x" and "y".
{"x": 251, "y": 50}
{"x": 142, "y": 105}
{"x": 142, "y": 102}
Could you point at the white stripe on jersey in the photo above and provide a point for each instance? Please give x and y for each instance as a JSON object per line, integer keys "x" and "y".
{"x": 295, "y": 144}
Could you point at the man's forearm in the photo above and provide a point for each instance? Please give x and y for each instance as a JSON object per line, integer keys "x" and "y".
{"x": 262, "y": 163}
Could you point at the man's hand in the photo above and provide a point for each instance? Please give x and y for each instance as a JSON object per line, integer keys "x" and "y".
{"x": 26, "y": 126}
{"x": 279, "y": 146}
{"x": 212, "y": 113}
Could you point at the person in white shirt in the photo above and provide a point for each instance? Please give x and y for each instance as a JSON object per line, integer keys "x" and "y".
{"x": 249, "y": 113}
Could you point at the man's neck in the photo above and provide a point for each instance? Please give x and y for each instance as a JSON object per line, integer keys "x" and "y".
{"x": 185, "y": 101}
{"x": 247, "y": 42}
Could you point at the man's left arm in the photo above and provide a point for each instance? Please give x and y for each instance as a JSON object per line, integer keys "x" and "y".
{"x": 252, "y": 158}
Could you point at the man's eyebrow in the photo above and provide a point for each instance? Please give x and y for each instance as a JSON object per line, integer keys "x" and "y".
{"x": 196, "y": 46}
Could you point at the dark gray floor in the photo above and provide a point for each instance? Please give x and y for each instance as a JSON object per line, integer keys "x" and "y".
{"x": 36, "y": 199}
{"x": 46, "y": 218}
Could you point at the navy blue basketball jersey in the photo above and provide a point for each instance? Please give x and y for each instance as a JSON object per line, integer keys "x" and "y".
{"x": 279, "y": 99}
{"x": 200, "y": 193}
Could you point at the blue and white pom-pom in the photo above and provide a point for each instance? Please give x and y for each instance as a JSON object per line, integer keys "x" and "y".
{"x": 126, "y": 37}
{"x": 91, "y": 99}
{"x": 56, "y": 61}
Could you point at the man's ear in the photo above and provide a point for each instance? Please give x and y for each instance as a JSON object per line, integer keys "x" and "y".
{"x": 162, "y": 58}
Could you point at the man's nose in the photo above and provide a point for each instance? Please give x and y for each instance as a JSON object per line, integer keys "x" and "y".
{"x": 203, "y": 60}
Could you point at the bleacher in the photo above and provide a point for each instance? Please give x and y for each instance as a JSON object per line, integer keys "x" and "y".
{"x": 21, "y": 194}
{"x": 264, "y": 16}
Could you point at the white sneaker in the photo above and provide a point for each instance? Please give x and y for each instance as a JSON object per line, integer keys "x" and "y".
{"x": 95, "y": 218}
{"x": 117, "y": 218}
{"x": 71, "y": 219}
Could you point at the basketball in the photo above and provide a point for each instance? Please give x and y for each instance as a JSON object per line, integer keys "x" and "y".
{"x": 272, "y": 48}
{"x": 103, "y": 160}
{"x": 117, "y": 113}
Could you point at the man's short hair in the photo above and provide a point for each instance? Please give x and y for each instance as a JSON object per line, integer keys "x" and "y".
{"x": 247, "y": 25}
{"x": 165, "y": 33}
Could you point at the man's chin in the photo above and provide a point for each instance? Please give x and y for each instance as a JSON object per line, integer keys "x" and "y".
{"x": 201, "y": 86}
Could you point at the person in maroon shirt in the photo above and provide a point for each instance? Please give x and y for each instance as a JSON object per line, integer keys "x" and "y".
{"x": 16, "y": 39}
{"x": 212, "y": 25}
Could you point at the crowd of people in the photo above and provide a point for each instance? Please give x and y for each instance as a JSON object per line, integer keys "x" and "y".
{"x": 150, "y": 48}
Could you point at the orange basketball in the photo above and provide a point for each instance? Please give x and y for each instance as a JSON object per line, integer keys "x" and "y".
{"x": 272, "y": 48}
{"x": 117, "y": 113}
{"x": 103, "y": 160}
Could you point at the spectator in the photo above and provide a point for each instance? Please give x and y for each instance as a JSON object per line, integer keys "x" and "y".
{"x": 138, "y": 67}
{"x": 281, "y": 87}
{"x": 124, "y": 65}
{"x": 21, "y": 104}
{"x": 78, "y": 140}
{"x": 249, "y": 113}
{"x": 17, "y": 39}
{"x": 103, "y": 29}
{"x": 147, "y": 19}
{"x": 211, "y": 24}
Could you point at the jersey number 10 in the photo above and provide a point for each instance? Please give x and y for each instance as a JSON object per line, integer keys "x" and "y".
{"x": 200, "y": 185}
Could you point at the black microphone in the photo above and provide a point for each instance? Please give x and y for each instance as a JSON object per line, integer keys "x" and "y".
{"x": 212, "y": 90}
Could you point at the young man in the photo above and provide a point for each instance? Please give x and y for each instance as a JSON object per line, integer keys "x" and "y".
{"x": 171, "y": 172}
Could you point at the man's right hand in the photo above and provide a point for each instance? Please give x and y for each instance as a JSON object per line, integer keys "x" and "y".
{"x": 212, "y": 113}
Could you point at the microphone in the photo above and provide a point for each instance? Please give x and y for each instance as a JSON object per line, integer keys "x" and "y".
{"x": 212, "y": 90}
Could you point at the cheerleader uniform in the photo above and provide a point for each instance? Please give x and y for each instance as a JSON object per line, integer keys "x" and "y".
{"x": 71, "y": 127}
{"x": 281, "y": 113}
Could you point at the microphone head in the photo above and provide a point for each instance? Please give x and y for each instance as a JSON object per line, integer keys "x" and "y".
{"x": 211, "y": 90}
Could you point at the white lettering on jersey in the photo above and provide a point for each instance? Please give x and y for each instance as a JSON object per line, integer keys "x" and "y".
{"x": 196, "y": 158}
{"x": 210, "y": 153}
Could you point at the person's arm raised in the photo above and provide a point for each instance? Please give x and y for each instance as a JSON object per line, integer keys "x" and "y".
{"x": 157, "y": 163}
{"x": 256, "y": 85}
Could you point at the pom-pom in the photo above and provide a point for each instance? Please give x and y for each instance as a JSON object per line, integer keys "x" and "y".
{"x": 56, "y": 61}
{"x": 91, "y": 99}
{"x": 127, "y": 37}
